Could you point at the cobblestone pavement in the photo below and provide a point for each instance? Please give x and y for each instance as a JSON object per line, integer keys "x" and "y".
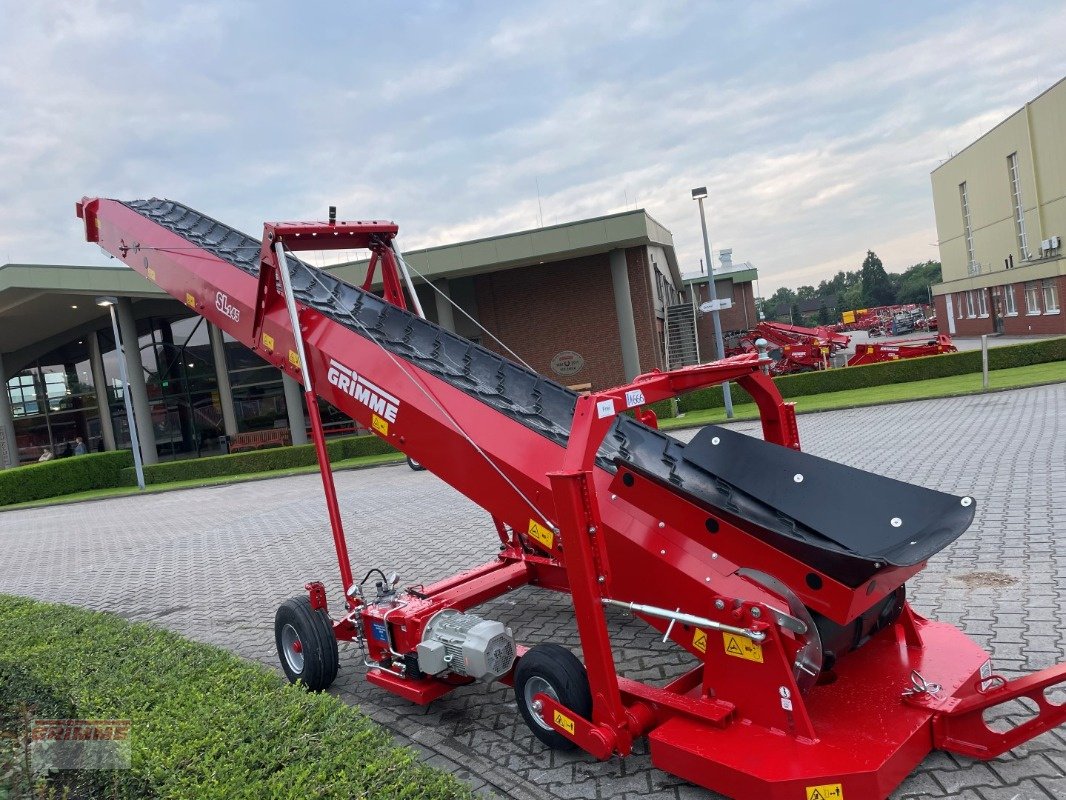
{"x": 214, "y": 563}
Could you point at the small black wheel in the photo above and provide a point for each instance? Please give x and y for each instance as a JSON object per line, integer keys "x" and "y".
{"x": 306, "y": 644}
{"x": 414, "y": 465}
{"x": 552, "y": 670}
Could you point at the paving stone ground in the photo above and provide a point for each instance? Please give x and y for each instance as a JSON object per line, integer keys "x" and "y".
{"x": 214, "y": 563}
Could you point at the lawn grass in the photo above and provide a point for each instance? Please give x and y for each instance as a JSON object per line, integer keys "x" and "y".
{"x": 204, "y": 723}
{"x": 954, "y": 386}
{"x": 359, "y": 462}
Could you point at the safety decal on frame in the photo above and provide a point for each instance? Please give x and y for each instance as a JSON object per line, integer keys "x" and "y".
{"x": 294, "y": 359}
{"x": 742, "y": 647}
{"x": 829, "y": 791}
{"x": 380, "y": 425}
{"x": 699, "y": 640}
{"x": 190, "y": 301}
{"x": 268, "y": 341}
{"x": 563, "y": 722}
{"x": 541, "y": 534}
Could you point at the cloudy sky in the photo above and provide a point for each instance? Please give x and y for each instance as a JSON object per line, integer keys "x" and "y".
{"x": 814, "y": 124}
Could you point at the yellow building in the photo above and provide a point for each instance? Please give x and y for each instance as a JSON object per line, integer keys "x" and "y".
{"x": 1000, "y": 209}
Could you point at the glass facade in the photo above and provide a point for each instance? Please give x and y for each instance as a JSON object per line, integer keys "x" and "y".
{"x": 54, "y": 400}
{"x": 53, "y": 403}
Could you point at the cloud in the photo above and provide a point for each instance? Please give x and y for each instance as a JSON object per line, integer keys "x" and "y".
{"x": 814, "y": 125}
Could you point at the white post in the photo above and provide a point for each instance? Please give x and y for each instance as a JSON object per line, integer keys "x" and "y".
{"x": 135, "y": 444}
{"x": 984, "y": 361}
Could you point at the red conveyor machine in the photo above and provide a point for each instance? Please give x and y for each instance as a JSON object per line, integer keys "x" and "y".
{"x": 812, "y": 676}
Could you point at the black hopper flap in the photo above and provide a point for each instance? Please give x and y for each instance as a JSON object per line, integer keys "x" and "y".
{"x": 874, "y": 517}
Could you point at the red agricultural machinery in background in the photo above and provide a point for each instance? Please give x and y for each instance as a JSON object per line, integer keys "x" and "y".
{"x": 792, "y": 348}
{"x": 812, "y": 676}
{"x": 873, "y": 353}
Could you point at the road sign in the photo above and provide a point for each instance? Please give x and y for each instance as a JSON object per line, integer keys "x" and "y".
{"x": 721, "y": 304}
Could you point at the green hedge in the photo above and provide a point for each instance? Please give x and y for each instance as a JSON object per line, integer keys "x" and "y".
{"x": 204, "y": 723}
{"x": 274, "y": 458}
{"x": 889, "y": 372}
{"x": 63, "y": 476}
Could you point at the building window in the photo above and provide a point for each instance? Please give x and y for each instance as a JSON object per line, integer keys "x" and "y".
{"x": 971, "y": 262}
{"x": 1051, "y": 296}
{"x": 982, "y": 302}
{"x": 969, "y": 305}
{"x": 959, "y": 305}
{"x": 1032, "y": 298}
{"x": 1019, "y": 209}
{"x": 1009, "y": 307}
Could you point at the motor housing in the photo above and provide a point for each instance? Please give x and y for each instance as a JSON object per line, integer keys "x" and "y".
{"x": 466, "y": 644}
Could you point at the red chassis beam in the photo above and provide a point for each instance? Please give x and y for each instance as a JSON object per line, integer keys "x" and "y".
{"x": 739, "y": 722}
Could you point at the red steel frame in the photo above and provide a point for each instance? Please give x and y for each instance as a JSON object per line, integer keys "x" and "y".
{"x": 736, "y": 724}
{"x": 875, "y": 352}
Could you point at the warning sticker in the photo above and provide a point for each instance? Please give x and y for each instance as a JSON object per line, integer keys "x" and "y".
{"x": 190, "y": 301}
{"x": 151, "y": 274}
{"x": 742, "y": 647}
{"x": 563, "y": 722}
{"x": 268, "y": 341}
{"x": 294, "y": 359}
{"x": 380, "y": 425}
{"x": 830, "y": 791}
{"x": 699, "y": 640}
{"x": 541, "y": 534}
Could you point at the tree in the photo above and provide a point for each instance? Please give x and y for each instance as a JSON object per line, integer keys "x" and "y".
{"x": 823, "y": 314}
{"x": 915, "y": 282}
{"x": 877, "y": 287}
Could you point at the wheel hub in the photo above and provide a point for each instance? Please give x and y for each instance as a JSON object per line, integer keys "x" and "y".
{"x": 292, "y": 648}
{"x": 534, "y": 686}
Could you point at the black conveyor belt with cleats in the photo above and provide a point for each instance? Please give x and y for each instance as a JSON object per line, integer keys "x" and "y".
{"x": 845, "y": 539}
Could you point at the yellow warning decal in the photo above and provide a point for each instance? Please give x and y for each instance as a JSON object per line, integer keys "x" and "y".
{"x": 294, "y": 359}
{"x": 151, "y": 274}
{"x": 541, "y": 534}
{"x": 742, "y": 647}
{"x": 268, "y": 341}
{"x": 829, "y": 791}
{"x": 190, "y": 301}
{"x": 380, "y": 425}
{"x": 564, "y": 722}
{"x": 699, "y": 640}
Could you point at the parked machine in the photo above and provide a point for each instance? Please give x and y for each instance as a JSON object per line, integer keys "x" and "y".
{"x": 792, "y": 348}
{"x": 904, "y": 348}
{"x": 813, "y": 676}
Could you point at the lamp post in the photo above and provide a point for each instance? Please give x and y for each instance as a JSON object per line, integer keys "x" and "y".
{"x": 109, "y": 303}
{"x": 699, "y": 195}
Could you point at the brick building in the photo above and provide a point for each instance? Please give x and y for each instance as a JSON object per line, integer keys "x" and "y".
{"x": 582, "y": 303}
{"x": 731, "y": 280}
{"x": 1000, "y": 209}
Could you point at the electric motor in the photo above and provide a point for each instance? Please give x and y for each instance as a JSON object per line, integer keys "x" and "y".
{"x": 466, "y": 644}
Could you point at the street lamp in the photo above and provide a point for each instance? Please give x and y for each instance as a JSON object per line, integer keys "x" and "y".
{"x": 110, "y": 303}
{"x": 698, "y": 195}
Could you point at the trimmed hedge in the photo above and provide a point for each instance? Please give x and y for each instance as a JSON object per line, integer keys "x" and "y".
{"x": 275, "y": 458}
{"x": 204, "y": 723}
{"x": 64, "y": 476}
{"x": 889, "y": 372}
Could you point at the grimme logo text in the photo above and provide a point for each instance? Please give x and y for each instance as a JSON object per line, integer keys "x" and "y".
{"x": 370, "y": 395}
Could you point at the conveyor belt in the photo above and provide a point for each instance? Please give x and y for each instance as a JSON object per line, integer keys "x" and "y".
{"x": 543, "y": 405}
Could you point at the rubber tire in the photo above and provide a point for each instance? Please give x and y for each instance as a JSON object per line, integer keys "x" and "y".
{"x": 316, "y": 636}
{"x": 562, "y": 670}
{"x": 415, "y": 465}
